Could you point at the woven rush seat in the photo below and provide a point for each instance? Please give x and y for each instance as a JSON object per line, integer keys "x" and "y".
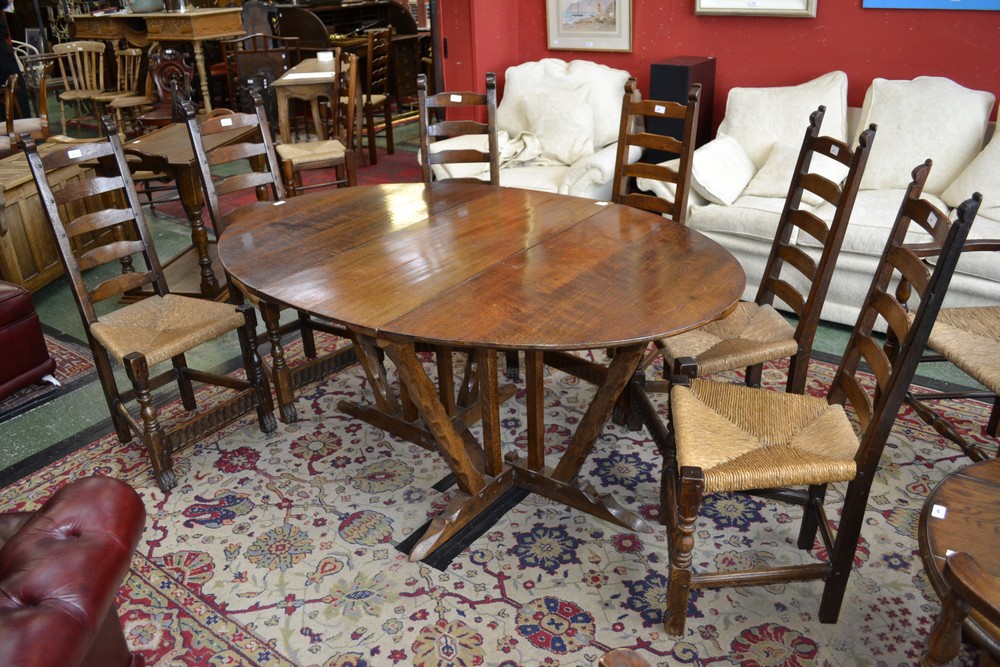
{"x": 750, "y": 335}
{"x": 970, "y": 339}
{"x": 161, "y": 327}
{"x": 314, "y": 151}
{"x": 792, "y": 440}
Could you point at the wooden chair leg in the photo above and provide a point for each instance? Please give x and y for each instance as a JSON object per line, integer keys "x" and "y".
{"x": 844, "y": 547}
{"x": 106, "y": 375}
{"x": 753, "y": 375}
{"x": 370, "y": 131}
{"x": 281, "y": 375}
{"x": 184, "y": 382}
{"x": 160, "y": 457}
{"x": 387, "y": 116}
{"x": 994, "y": 423}
{"x": 308, "y": 336}
{"x": 253, "y": 366}
{"x": 288, "y": 176}
{"x": 351, "y": 160}
{"x": 811, "y": 517}
{"x": 692, "y": 485}
{"x": 513, "y": 363}
{"x": 945, "y": 640}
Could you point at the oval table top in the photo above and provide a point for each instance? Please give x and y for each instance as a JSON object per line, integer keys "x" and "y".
{"x": 479, "y": 265}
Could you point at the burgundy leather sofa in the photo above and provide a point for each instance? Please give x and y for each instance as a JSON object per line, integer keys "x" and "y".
{"x": 24, "y": 359}
{"x": 60, "y": 569}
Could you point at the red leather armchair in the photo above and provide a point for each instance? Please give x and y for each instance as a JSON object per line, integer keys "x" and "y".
{"x": 25, "y": 357}
{"x": 60, "y": 568}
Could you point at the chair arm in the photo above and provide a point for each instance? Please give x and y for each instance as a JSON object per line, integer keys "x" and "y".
{"x": 60, "y": 572}
{"x": 591, "y": 175}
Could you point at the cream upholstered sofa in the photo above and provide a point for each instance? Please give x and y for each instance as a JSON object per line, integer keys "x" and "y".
{"x": 741, "y": 177}
{"x": 557, "y": 125}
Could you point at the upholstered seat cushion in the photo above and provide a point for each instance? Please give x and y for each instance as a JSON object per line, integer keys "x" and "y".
{"x": 750, "y": 335}
{"x": 312, "y": 151}
{"x": 162, "y": 327}
{"x": 748, "y": 438}
{"x": 27, "y": 125}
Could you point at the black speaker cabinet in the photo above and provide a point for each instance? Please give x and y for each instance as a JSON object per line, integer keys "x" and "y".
{"x": 669, "y": 81}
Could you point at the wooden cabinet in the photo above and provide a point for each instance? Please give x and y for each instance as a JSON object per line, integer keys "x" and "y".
{"x": 29, "y": 255}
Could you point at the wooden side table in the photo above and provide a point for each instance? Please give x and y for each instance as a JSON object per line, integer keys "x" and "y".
{"x": 963, "y": 514}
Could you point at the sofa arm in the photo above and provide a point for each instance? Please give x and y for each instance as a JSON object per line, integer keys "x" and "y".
{"x": 591, "y": 176}
{"x": 60, "y": 572}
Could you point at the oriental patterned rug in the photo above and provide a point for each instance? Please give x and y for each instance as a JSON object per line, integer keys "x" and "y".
{"x": 281, "y": 549}
{"x": 74, "y": 364}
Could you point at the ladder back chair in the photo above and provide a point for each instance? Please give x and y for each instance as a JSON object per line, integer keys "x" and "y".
{"x": 375, "y": 97}
{"x": 676, "y": 173}
{"x": 969, "y": 338}
{"x": 128, "y": 81}
{"x": 465, "y": 103}
{"x": 82, "y": 66}
{"x": 335, "y": 152}
{"x": 156, "y": 330}
{"x": 755, "y": 332}
{"x": 727, "y": 438}
{"x": 264, "y": 177}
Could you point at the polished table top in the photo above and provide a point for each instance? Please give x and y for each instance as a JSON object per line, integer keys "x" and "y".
{"x": 962, "y": 513}
{"x": 481, "y": 266}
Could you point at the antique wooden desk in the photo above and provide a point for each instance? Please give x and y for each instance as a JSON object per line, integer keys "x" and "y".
{"x": 962, "y": 513}
{"x": 483, "y": 268}
{"x": 193, "y": 25}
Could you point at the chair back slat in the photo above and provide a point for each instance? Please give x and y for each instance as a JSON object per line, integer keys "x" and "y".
{"x": 635, "y": 115}
{"x": 89, "y": 188}
{"x": 464, "y": 102}
{"x": 797, "y": 257}
{"x": 257, "y": 150}
{"x": 379, "y": 56}
{"x": 130, "y": 242}
{"x": 114, "y": 287}
{"x": 98, "y": 220}
{"x": 810, "y": 223}
{"x": 791, "y": 296}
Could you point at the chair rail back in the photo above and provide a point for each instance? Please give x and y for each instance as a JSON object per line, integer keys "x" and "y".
{"x": 119, "y": 210}
{"x": 82, "y": 65}
{"x": 635, "y": 113}
{"x": 450, "y": 101}
{"x": 258, "y": 151}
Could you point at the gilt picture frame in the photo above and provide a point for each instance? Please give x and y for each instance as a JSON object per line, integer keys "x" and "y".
{"x": 792, "y": 8}
{"x": 589, "y": 25}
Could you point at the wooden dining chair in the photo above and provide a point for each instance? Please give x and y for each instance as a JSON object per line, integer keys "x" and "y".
{"x": 156, "y": 330}
{"x": 636, "y": 113}
{"x": 971, "y": 590}
{"x": 375, "y": 100}
{"x": 129, "y": 81}
{"x": 82, "y": 67}
{"x": 969, "y": 338}
{"x": 459, "y": 105}
{"x": 34, "y": 121}
{"x": 253, "y": 163}
{"x": 724, "y": 437}
{"x": 755, "y": 332}
{"x": 335, "y": 152}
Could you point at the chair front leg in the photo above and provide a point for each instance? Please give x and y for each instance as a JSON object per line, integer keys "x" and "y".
{"x": 689, "y": 497}
{"x": 253, "y": 366}
{"x": 811, "y": 516}
{"x": 288, "y": 176}
{"x": 753, "y": 375}
{"x": 184, "y": 382}
{"x": 152, "y": 433}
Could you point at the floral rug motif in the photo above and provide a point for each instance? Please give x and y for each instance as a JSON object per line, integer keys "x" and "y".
{"x": 281, "y": 550}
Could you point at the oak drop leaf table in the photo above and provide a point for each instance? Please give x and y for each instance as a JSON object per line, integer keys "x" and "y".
{"x": 483, "y": 269}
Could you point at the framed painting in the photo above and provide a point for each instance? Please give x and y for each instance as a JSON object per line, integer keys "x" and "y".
{"x": 589, "y": 25}
{"x": 798, "y": 8}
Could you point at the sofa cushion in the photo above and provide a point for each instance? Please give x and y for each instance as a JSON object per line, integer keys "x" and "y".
{"x": 721, "y": 169}
{"x": 533, "y": 81}
{"x": 562, "y": 122}
{"x": 750, "y": 217}
{"x": 775, "y": 177}
{"x": 760, "y": 117}
{"x": 928, "y": 117}
{"x": 546, "y": 179}
{"x": 981, "y": 175}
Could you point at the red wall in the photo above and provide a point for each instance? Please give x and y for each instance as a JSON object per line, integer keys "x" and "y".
{"x": 865, "y": 43}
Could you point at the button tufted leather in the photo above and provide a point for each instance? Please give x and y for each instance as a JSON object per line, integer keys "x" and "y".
{"x": 60, "y": 569}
